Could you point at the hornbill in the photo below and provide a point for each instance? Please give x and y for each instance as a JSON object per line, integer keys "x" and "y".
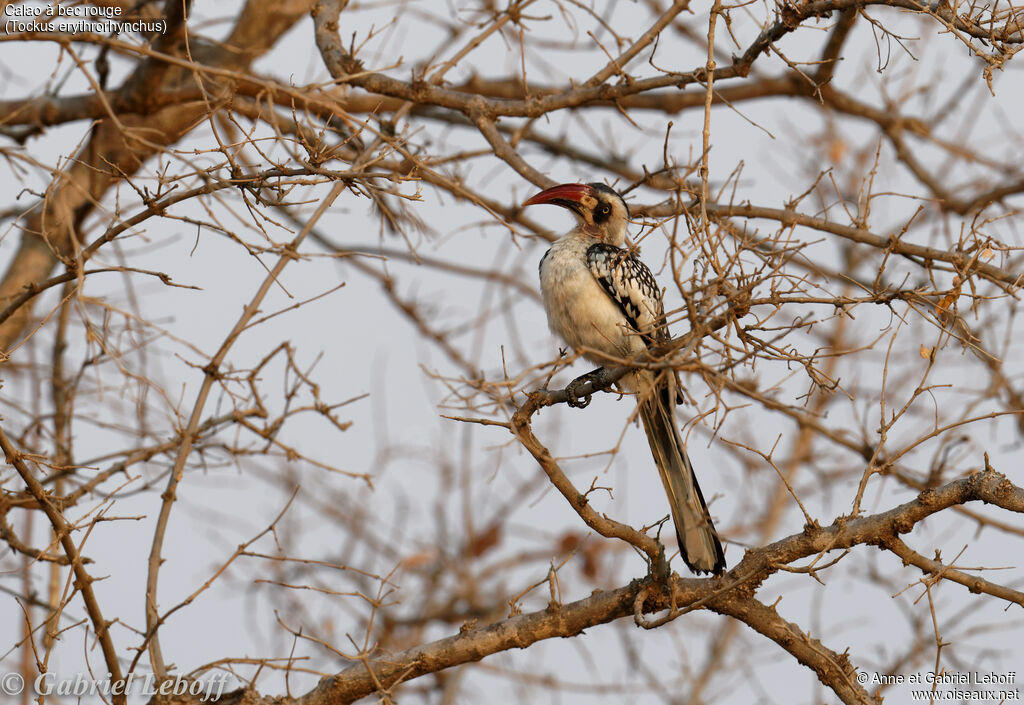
{"x": 604, "y": 302}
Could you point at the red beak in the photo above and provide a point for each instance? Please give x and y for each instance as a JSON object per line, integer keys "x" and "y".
{"x": 565, "y": 195}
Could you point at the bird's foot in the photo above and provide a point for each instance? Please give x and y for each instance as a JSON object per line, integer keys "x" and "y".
{"x": 577, "y": 400}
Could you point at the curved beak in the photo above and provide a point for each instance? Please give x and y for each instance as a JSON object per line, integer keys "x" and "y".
{"x": 566, "y": 195}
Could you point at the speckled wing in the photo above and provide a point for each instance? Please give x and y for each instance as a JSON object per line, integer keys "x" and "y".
{"x": 631, "y": 285}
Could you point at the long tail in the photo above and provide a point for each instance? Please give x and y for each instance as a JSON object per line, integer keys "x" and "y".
{"x": 698, "y": 540}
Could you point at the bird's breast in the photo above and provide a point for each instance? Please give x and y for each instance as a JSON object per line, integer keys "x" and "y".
{"x": 578, "y": 309}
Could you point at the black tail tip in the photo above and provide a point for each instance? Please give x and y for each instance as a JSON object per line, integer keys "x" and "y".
{"x": 716, "y": 569}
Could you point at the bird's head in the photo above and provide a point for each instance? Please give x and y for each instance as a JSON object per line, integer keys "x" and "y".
{"x": 601, "y": 212}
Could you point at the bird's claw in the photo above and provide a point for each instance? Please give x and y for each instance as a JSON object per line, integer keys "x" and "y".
{"x": 576, "y": 400}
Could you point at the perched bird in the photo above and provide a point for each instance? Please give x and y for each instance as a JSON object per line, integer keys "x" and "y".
{"x": 604, "y": 302}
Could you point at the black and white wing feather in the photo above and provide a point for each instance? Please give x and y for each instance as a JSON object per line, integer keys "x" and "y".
{"x": 631, "y": 285}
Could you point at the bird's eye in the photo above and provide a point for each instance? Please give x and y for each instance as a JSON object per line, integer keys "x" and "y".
{"x": 604, "y": 209}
